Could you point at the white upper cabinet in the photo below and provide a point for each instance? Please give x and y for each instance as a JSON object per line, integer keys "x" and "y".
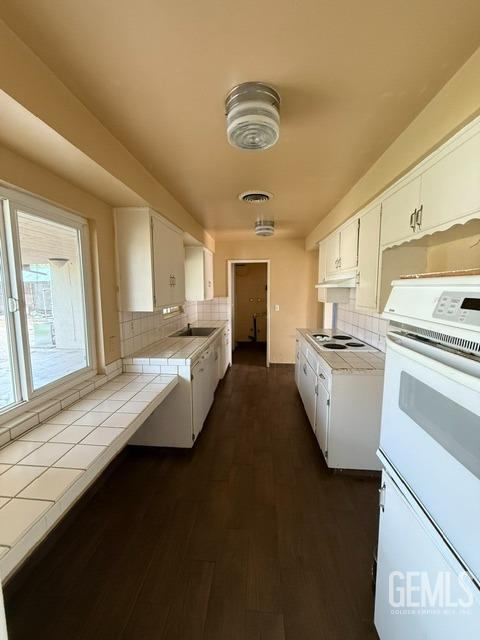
{"x": 150, "y": 260}
{"x": 451, "y": 186}
{"x": 168, "y": 264}
{"x": 399, "y": 212}
{"x": 368, "y": 258}
{"x": 341, "y": 250}
{"x": 445, "y": 189}
{"x": 332, "y": 255}
{"x": 198, "y": 273}
{"x": 349, "y": 246}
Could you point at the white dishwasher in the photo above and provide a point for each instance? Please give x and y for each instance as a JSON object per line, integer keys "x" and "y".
{"x": 202, "y": 389}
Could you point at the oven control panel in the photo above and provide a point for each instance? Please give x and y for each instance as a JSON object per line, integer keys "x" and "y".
{"x": 460, "y": 307}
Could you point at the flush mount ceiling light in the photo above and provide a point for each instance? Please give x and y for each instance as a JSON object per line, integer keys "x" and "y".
{"x": 253, "y": 116}
{"x": 264, "y": 227}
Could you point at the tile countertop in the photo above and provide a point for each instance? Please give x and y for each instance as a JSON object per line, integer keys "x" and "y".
{"x": 175, "y": 350}
{"x": 45, "y": 469}
{"x": 371, "y": 361}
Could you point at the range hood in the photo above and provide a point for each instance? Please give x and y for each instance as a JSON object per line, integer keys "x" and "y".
{"x": 341, "y": 281}
{"x": 337, "y": 289}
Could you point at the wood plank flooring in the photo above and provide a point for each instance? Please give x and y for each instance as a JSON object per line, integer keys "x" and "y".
{"x": 247, "y": 537}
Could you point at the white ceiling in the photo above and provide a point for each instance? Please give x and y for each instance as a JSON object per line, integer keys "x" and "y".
{"x": 351, "y": 75}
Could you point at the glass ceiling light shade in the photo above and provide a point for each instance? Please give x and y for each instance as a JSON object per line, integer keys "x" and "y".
{"x": 264, "y": 228}
{"x": 253, "y": 116}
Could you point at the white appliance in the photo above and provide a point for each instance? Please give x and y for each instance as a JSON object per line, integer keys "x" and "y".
{"x": 327, "y": 340}
{"x": 430, "y": 449}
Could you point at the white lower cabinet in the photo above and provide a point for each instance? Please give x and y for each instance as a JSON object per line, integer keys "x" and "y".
{"x": 307, "y": 386}
{"x": 322, "y": 416}
{"x": 179, "y": 420}
{"x": 422, "y": 592}
{"x": 343, "y": 408}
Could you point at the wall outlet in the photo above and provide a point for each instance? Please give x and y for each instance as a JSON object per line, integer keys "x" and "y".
{"x": 277, "y": 307}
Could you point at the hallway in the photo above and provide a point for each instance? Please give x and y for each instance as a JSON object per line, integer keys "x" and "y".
{"x": 246, "y": 537}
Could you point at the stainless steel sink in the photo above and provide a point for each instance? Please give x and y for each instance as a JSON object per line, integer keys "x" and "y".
{"x": 195, "y": 331}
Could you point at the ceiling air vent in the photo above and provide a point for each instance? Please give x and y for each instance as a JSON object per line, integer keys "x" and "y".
{"x": 255, "y": 196}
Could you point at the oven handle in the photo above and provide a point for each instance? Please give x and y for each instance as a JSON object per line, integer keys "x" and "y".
{"x": 449, "y": 365}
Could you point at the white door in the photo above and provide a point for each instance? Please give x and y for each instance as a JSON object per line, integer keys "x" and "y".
{"x": 162, "y": 267}
{"x": 208, "y": 274}
{"x": 332, "y": 251}
{"x": 349, "y": 246}
{"x": 421, "y": 592}
{"x": 308, "y": 381}
{"x": 322, "y": 415}
{"x": 398, "y": 212}
{"x": 431, "y": 434}
{"x": 368, "y": 257}
{"x": 451, "y": 187}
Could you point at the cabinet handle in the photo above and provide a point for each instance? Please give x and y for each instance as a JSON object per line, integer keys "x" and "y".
{"x": 305, "y": 369}
{"x": 381, "y": 496}
{"x": 413, "y": 219}
{"x": 418, "y": 217}
{"x": 320, "y": 375}
{"x": 339, "y": 263}
{"x": 357, "y": 279}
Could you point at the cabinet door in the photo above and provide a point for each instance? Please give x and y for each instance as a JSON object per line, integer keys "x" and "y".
{"x": 349, "y": 246}
{"x": 451, "y": 187}
{"x": 178, "y": 268}
{"x": 322, "y": 263}
{"x": 332, "y": 249}
{"x": 297, "y": 363}
{"x": 368, "y": 257}
{"x": 322, "y": 417}
{"x": 308, "y": 381}
{"x": 208, "y": 274}
{"x": 397, "y": 210}
{"x": 162, "y": 251}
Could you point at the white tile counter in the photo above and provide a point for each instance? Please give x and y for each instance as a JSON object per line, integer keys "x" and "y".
{"x": 46, "y": 469}
{"x": 172, "y": 351}
{"x": 347, "y": 361}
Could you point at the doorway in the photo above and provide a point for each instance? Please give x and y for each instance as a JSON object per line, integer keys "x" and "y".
{"x": 248, "y": 290}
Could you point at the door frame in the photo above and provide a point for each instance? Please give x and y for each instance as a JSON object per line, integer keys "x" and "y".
{"x": 231, "y": 297}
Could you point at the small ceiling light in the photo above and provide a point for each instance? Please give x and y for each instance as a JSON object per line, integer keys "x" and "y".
{"x": 264, "y": 227}
{"x": 253, "y": 116}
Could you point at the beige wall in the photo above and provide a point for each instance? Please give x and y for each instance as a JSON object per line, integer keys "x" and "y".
{"x": 22, "y": 173}
{"x": 459, "y": 248}
{"x": 293, "y": 272}
{"x": 456, "y": 103}
{"x": 250, "y": 298}
{"x": 34, "y": 86}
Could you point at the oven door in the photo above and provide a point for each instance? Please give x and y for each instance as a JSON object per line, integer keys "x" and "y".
{"x": 431, "y": 436}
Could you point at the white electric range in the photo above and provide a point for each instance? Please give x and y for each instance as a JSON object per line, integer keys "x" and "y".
{"x": 327, "y": 340}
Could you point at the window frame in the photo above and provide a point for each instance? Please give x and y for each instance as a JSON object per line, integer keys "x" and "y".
{"x": 12, "y": 202}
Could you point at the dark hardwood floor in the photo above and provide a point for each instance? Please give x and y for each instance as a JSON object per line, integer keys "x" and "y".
{"x": 246, "y": 537}
{"x": 251, "y": 353}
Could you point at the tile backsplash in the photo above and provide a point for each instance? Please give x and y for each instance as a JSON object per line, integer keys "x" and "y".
{"x": 361, "y": 323}
{"x": 139, "y": 330}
